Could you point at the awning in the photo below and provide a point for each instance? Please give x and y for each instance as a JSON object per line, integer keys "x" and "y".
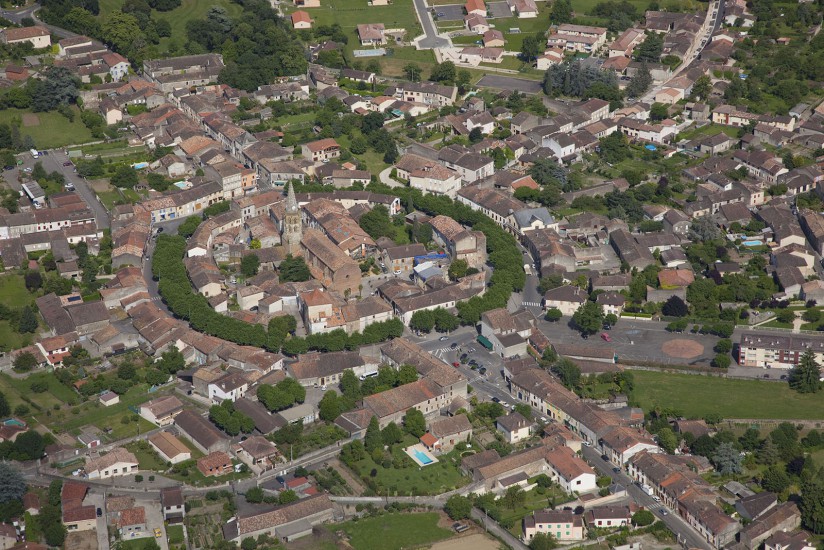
{"x": 484, "y": 341}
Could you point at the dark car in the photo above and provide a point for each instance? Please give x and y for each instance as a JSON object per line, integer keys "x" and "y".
{"x": 482, "y": 370}
{"x": 160, "y": 230}
{"x": 8, "y": 167}
{"x": 464, "y": 356}
{"x": 99, "y": 512}
{"x": 496, "y": 400}
{"x": 616, "y": 470}
{"x": 453, "y": 345}
{"x": 67, "y": 163}
{"x": 605, "y": 457}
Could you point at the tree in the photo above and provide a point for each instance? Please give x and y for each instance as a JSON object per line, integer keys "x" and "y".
{"x": 120, "y": 31}
{"x": 254, "y": 495}
{"x": 805, "y": 377}
{"x": 727, "y": 459}
{"x": 721, "y": 361}
{"x": 28, "y": 320}
{"x": 443, "y": 72}
{"x": 445, "y": 321}
{"x": 59, "y": 87}
{"x": 549, "y": 282}
{"x": 642, "y": 518}
{"x": 703, "y": 229}
{"x": 373, "y": 440}
{"x": 553, "y": 314}
{"x": 414, "y": 423}
{"x": 377, "y": 223}
{"x": 407, "y": 374}
{"x": 568, "y": 372}
{"x": 33, "y": 280}
{"x": 125, "y": 177}
{"x": 391, "y": 434}
{"x": 412, "y": 71}
{"x": 543, "y": 541}
{"x": 330, "y": 406}
{"x": 294, "y": 270}
{"x": 640, "y": 83}
{"x": 457, "y": 269}
{"x": 24, "y": 362}
{"x": 30, "y": 445}
{"x": 531, "y": 48}
{"x": 514, "y": 497}
{"x": 650, "y": 49}
{"x": 249, "y": 265}
{"x": 171, "y": 361}
{"x": 462, "y": 80}
{"x": 287, "y": 497}
{"x": 812, "y": 503}
{"x": 458, "y": 507}
{"x": 589, "y": 318}
{"x": 476, "y": 135}
{"x": 702, "y": 88}
{"x": 561, "y": 12}
{"x": 12, "y": 485}
{"x": 775, "y": 479}
{"x": 422, "y": 321}
{"x": 667, "y": 440}
{"x": 658, "y": 111}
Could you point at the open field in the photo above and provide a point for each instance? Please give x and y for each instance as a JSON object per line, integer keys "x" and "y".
{"x": 394, "y": 531}
{"x": 52, "y": 129}
{"x": 400, "y": 14}
{"x": 695, "y": 396}
{"x": 10, "y": 339}
{"x": 472, "y": 542}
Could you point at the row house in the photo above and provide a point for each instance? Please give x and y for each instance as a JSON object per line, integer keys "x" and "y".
{"x": 492, "y": 203}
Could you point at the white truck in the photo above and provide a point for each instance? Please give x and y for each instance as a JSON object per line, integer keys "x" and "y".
{"x": 647, "y": 489}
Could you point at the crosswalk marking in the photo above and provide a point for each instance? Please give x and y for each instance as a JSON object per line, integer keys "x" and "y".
{"x": 531, "y": 304}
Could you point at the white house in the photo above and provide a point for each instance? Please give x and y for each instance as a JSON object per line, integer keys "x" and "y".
{"x": 117, "y": 462}
{"x": 231, "y": 386}
{"x": 570, "y": 471}
{"x": 514, "y": 426}
{"x": 567, "y": 298}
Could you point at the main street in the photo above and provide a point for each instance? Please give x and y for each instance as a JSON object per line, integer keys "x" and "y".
{"x": 687, "y": 537}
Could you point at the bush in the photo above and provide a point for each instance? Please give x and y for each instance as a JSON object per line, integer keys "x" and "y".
{"x": 642, "y": 518}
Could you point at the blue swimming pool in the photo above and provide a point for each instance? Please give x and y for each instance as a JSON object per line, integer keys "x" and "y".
{"x": 752, "y": 243}
{"x": 422, "y": 457}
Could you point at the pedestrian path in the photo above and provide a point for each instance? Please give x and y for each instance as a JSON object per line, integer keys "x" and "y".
{"x": 531, "y": 304}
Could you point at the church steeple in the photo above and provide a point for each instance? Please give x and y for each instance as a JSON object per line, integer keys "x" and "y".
{"x": 291, "y": 201}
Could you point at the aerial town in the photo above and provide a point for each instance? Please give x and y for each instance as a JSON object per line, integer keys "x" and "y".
{"x": 405, "y": 274}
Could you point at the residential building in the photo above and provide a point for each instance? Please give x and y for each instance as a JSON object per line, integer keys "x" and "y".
{"x": 286, "y": 523}
{"x": 566, "y": 298}
{"x": 215, "y": 464}
{"x": 117, "y": 462}
{"x": 450, "y": 431}
{"x": 514, "y": 426}
{"x": 201, "y": 432}
{"x": 169, "y": 448}
{"x": 162, "y": 410}
{"x": 563, "y": 525}
{"x": 38, "y": 37}
{"x": 171, "y": 500}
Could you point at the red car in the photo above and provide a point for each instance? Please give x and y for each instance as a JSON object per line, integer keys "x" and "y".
{"x": 456, "y": 364}
{"x": 606, "y": 337}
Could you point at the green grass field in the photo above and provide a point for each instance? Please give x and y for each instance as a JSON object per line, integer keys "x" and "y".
{"x": 695, "y": 396}
{"x": 400, "y": 14}
{"x": 394, "y": 531}
{"x": 52, "y": 129}
{"x": 11, "y": 339}
{"x": 175, "y": 534}
{"x": 13, "y": 291}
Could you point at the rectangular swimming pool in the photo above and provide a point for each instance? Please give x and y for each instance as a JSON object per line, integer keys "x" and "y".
{"x": 422, "y": 457}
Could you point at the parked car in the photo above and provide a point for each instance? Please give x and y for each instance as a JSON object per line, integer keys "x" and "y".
{"x": 456, "y": 364}
{"x": 67, "y": 163}
{"x": 606, "y": 337}
{"x": 482, "y": 370}
{"x": 100, "y": 512}
{"x": 158, "y": 533}
{"x": 496, "y": 400}
{"x": 443, "y": 338}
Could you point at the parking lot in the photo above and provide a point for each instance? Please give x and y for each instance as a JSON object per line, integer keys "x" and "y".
{"x": 450, "y": 12}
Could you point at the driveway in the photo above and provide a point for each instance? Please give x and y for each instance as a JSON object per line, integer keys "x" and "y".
{"x": 154, "y": 519}
{"x": 498, "y": 10}
{"x": 510, "y": 84}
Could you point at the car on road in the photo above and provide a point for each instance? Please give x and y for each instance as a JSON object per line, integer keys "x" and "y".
{"x": 496, "y": 400}
{"x": 663, "y": 511}
{"x": 8, "y": 168}
{"x": 441, "y": 14}
{"x": 605, "y": 457}
{"x": 443, "y": 338}
{"x": 100, "y": 512}
{"x": 453, "y": 345}
{"x": 616, "y": 470}
{"x": 67, "y": 163}
{"x": 482, "y": 370}
{"x": 606, "y": 337}
{"x": 27, "y": 169}
{"x": 158, "y": 533}
{"x": 656, "y": 498}
{"x": 456, "y": 364}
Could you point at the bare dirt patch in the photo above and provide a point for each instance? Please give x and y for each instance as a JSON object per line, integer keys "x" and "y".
{"x": 477, "y": 541}
{"x": 31, "y": 119}
{"x": 82, "y": 540}
{"x": 683, "y": 349}
{"x": 101, "y": 185}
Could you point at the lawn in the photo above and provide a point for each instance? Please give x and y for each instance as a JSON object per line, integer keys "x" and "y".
{"x": 110, "y": 417}
{"x": 414, "y": 480}
{"x": 135, "y": 544}
{"x": 695, "y": 396}
{"x": 52, "y": 129}
{"x": 57, "y": 394}
{"x": 13, "y": 291}
{"x": 146, "y": 456}
{"x": 11, "y": 339}
{"x": 175, "y": 534}
{"x": 178, "y": 17}
{"x": 394, "y": 531}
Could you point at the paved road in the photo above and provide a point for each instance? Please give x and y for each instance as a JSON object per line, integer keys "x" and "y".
{"x": 686, "y": 534}
{"x": 54, "y": 162}
{"x": 432, "y": 39}
{"x": 17, "y": 17}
